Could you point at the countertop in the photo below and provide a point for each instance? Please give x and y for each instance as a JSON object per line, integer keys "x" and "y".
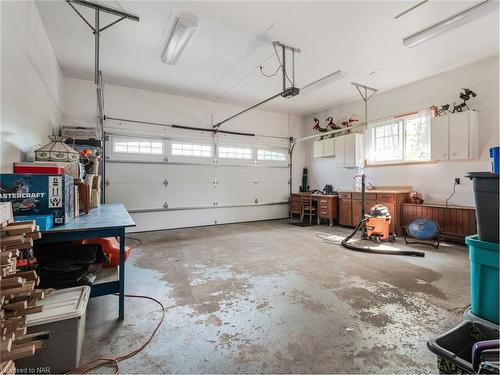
{"x": 380, "y": 191}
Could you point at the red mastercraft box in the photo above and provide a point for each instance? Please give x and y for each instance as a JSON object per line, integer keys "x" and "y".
{"x": 38, "y": 168}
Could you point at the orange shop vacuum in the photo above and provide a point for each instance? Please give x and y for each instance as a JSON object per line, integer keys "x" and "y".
{"x": 375, "y": 226}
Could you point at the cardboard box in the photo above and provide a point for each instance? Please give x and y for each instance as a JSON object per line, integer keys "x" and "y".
{"x": 33, "y": 194}
{"x": 95, "y": 198}
{"x": 6, "y": 214}
{"x": 80, "y": 133}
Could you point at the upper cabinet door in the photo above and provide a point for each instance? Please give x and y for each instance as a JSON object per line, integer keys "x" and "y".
{"x": 329, "y": 147}
{"x": 339, "y": 151}
{"x": 459, "y": 135}
{"x": 440, "y": 138}
{"x": 318, "y": 149}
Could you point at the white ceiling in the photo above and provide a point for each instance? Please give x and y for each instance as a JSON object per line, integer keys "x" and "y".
{"x": 221, "y": 62}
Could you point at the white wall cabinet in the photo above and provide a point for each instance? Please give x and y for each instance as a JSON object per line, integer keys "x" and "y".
{"x": 329, "y": 147}
{"x": 455, "y": 136}
{"x": 347, "y": 149}
{"x": 318, "y": 149}
{"x": 324, "y": 148}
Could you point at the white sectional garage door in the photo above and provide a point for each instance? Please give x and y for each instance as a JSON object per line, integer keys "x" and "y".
{"x": 171, "y": 182}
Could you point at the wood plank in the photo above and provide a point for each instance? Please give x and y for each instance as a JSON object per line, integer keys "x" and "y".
{"x": 6, "y": 345}
{"x": 25, "y": 351}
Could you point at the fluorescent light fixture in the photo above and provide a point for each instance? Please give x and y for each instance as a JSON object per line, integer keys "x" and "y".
{"x": 459, "y": 19}
{"x": 326, "y": 80}
{"x": 182, "y": 32}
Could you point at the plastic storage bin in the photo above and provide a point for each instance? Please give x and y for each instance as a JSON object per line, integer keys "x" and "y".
{"x": 44, "y": 222}
{"x": 63, "y": 315}
{"x": 483, "y": 257}
{"x": 485, "y": 186}
{"x": 469, "y": 316}
{"x": 495, "y": 159}
{"x": 454, "y": 348}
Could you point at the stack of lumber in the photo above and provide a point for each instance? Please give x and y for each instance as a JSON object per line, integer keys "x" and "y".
{"x": 18, "y": 293}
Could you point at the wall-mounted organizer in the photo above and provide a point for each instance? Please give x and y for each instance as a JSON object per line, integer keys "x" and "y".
{"x": 455, "y": 136}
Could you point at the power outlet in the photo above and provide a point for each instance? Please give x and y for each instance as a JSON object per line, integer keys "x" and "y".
{"x": 457, "y": 180}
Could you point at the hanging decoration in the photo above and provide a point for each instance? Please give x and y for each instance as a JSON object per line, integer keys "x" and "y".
{"x": 56, "y": 150}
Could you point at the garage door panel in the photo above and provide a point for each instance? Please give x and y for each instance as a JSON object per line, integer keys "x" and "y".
{"x": 235, "y": 185}
{"x": 273, "y": 185}
{"x": 197, "y": 194}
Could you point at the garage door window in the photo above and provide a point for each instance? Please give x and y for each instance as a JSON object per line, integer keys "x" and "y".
{"x": 138, "y": 147}
{"x": 191, "y": 149}
{"x": 238, "y": 153}
{"x": 271, "y": 155}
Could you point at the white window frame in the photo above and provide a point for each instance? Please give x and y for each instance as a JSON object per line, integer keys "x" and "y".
{"x": 134, "y": 156}
{"x": 251, "y": 159}
{"x": 283, "y": 151}
{"x": 191, "y": 159}
{"x": 196, "y": 147}
{"x": 402, "y": 139}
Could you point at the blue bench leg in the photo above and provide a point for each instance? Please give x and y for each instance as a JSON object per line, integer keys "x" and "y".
{"x": 121, "y": 294}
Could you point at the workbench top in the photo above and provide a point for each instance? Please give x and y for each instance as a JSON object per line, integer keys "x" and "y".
{"x": 105, "y": 216}
{"x": 380, "y": 191}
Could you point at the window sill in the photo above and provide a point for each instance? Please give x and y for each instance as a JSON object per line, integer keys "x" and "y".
{"x": 368, "y": 165}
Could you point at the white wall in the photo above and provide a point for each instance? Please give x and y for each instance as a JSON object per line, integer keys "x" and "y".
{"x": 31, "y": 82}
{"x": 130, "y": 103}
{"x": 434, "y": 181}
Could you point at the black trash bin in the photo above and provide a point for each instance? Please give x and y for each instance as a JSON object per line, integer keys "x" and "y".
{"x": 454, "y": 348}
{"x": 485, "y": 186}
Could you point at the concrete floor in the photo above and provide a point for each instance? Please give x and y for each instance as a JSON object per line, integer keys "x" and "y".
{"x": 272, "y": 297}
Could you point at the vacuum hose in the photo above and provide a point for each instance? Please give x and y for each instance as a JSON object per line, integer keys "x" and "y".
{"x": 366, "y": 249}
{"x": 361, "y": 224}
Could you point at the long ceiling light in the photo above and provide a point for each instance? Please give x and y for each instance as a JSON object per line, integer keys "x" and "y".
{"x": 450, "y": 23}
{"x": 326, "y": 80}
{"x": 182, "y": 32}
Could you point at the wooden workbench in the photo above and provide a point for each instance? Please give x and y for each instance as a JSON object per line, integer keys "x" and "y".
{"x": 107, "y": 220}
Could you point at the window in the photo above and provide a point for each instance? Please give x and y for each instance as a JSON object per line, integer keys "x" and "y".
{"x": 191, "y": 149}
{"x": 138, "y": 147}
{"x": 399, "y": 140}
{"x": 228, "y": 152}
{"x": 269, "y": 155}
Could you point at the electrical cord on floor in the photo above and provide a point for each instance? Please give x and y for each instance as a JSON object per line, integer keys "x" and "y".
{"x": 139, "y": 242}
{"x": 116, "y": 360}
{"x": 326, "y": 238}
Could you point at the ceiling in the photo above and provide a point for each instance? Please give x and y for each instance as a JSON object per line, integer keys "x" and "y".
{"x": 221, "y": 62}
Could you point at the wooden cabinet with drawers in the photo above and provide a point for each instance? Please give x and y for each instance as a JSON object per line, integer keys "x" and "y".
{"x": 327, "y": 206}
{"x": 350, "y": 206}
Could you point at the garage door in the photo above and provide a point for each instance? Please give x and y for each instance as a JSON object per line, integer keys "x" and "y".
{"x": 182, "y": 182}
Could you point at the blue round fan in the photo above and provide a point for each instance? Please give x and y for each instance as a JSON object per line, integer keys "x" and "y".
{"x": 423, "y": 228}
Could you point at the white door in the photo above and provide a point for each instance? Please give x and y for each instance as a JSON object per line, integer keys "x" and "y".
{"x": 459, "y": 135}
{"x": 318, "y": 149}
{"x": 350, "y": 151}
{"x": 329, "y": 147}
{"x": 440, "y": 138}
{"x": 340, "y": 151}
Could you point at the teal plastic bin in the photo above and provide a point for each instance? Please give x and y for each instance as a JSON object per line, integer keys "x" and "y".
{"x": 484, "y": 259}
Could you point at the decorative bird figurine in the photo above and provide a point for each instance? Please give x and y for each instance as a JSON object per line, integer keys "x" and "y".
{"x": 331, "y": 124}
{"x": 318, "y": 127}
